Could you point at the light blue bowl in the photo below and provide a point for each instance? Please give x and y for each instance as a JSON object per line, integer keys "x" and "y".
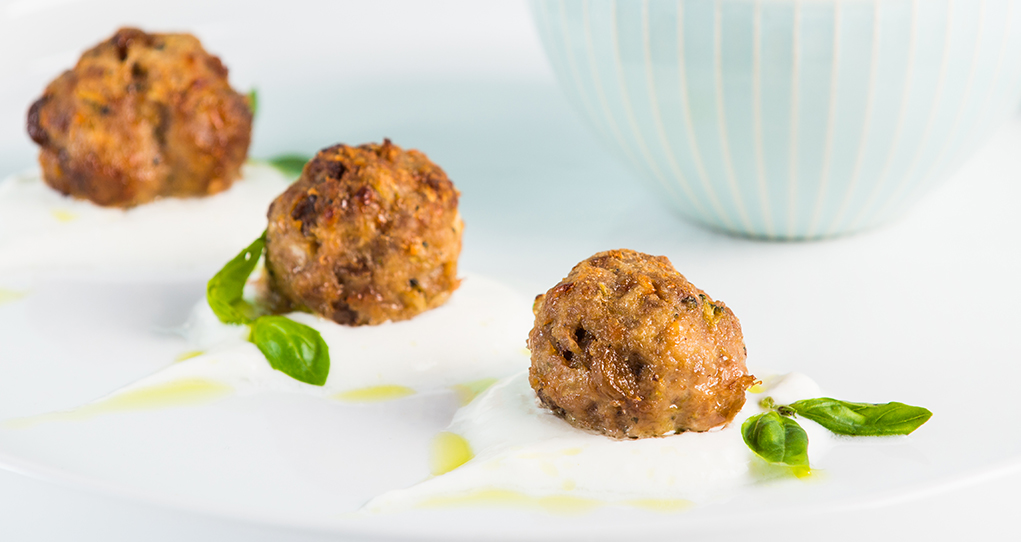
{"x": 789, "y": 119}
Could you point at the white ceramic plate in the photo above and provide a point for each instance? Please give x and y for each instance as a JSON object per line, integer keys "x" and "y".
{"x": 920, "y": 313}
{"x": 923, "y": 312}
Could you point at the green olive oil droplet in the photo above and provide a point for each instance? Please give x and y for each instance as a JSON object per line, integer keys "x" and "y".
{"x": 63, "y": 215}
{"x": 477, "y": 497}
{"x": 375, "y": 394}
{"x": 567, "y": 504}
{"x": 554, "y": 504}
{"x": 661, "y": 505}
{"x": 468, "y": 391}
{"x": 448, "y": 451}
{"x": 188, "y": 355}
{"x": 802, "y": 472}
{"x": 177, "y": 393}
{"x": 10, "y": 296}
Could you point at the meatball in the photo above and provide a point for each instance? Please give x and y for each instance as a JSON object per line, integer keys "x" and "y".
{"x": 367, "y": 234}
{"x": 139, "y": 117}
{"x": 627, "y": 347}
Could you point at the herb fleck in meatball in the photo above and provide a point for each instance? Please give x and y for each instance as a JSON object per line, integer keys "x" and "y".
{"x": 627, "y": 347}
{"x": 141, "y": 116}
{"x": 367, "y": 234}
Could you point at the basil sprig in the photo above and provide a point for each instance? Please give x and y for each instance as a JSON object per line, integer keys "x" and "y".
{"x": 862, "y": 419}
{"x": 289, "y": 164}
{"x": 224, "y": 291}
{"x": 777, "y": 438}
{"x": 294, "y": 349}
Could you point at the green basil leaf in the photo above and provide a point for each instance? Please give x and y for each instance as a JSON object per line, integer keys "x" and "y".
{"x": 289, "y": 164}
{"x": 224, "y": 290}
{"x": 776, "y": 439}
{"x": 862, "y": 419}
{"x": 253, "y": 101}
{"x": 292, "y": 348}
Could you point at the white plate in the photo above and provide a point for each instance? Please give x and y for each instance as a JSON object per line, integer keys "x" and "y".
{"x": 923, "y": 312}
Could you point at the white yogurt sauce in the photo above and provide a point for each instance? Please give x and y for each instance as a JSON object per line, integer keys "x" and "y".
{"x": 520, "y": 448}
{"x": 517, "y": 445}
{"x": 478, "y": 334}
{"x": 41, "y": 229}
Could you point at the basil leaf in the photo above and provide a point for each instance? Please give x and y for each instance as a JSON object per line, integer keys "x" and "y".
{"x": 862, "y": 419}
{"x": 776, "y": 439}
{"x": 292, "y": 348}
{"x": 289, "y": 164}
{"x": 253, "y": 101}
{"x": 224, "y": 290}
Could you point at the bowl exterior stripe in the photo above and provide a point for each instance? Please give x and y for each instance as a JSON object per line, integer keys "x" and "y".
{"x": 788, "y": 119}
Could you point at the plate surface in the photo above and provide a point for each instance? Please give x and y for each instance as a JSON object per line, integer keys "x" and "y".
{"x": 923, "y": 312}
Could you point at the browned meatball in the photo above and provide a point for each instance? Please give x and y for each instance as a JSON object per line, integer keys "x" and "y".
{"x": 627, "y": 347}
{"x": 141, "y": 116}
{"x": 367, "y": 234}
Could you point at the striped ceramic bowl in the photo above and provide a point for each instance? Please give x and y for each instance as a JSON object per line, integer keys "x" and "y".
{"x": 789, "y": 119}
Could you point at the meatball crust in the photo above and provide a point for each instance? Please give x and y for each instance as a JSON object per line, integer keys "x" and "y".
{"x": 627, "y": 347}
{"x": 367, "y": 234}
{"x": 139, "y": 117}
